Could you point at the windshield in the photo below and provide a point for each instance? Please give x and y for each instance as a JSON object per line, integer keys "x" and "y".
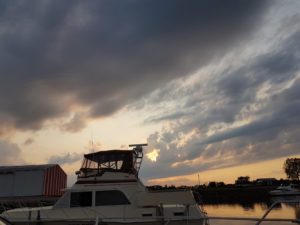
{"x": 114, "y": 160}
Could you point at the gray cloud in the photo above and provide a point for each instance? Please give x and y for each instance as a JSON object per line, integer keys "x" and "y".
{"x": 28, "y": 141}
{"x": 75, "y": 124}
{"x": 262, "y": 93}
{"x": 57, "y": 57}
{"x": 67, "y": 158}
{"x": 10, "y": 153}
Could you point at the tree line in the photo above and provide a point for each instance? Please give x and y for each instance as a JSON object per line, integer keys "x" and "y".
{"x": 291, "y": 167}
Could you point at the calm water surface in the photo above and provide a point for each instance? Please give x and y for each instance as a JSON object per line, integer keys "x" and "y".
{"x": 255, "y": 210}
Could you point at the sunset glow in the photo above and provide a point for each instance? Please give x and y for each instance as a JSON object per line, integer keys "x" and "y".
{"x": 153, "y": 155}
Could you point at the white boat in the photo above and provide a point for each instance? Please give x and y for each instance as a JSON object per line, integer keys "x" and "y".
{"x": 108, "y": 191}
{"x": 4, "y": 221}
{"x": 291, "y": 189}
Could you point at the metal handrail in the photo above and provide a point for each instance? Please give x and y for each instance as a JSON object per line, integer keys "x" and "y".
{"x": 273, "y": 205}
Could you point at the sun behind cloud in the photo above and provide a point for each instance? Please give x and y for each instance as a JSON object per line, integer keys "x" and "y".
{"x": 153, "y": 155}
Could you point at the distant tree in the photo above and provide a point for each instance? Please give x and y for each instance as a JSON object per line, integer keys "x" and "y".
{"x": 212, "y": 184}
{"x": 291, "y": 167}
{"x": 220, "y": 184}
{"x": 243, "y": 181}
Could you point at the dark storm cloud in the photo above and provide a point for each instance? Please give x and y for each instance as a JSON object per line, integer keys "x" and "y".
{"x": 58, "y": 56}
{"x": 262, "y": 92}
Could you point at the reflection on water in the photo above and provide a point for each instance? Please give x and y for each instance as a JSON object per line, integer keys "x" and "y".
{"x": 297, "y": 211}
{"x": 255, "y": 210}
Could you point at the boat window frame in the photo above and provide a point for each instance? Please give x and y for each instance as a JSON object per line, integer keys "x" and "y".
{"x": 95, "y": 164}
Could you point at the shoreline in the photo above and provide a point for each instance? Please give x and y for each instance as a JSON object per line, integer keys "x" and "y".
{"x": 235, "y": 195}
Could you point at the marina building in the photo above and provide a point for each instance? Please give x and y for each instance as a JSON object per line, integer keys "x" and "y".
{"x": 32, "y": 180}
{"x": 31, "y": 185}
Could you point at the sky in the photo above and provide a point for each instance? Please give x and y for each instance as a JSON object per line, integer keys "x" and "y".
{"x": 212, "y": 86}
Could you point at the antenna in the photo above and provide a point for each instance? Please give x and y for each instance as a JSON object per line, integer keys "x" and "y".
{"x": 92, "y": 139}
{"x": 138, "y": 147}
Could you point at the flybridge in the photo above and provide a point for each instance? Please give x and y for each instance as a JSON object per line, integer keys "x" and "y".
{"x": 127, "y": 161}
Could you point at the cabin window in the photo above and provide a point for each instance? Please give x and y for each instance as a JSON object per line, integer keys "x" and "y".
{"x": 178, "y": 213}
{"x": 81, "y": 199}
{"x": 110, "y": 198}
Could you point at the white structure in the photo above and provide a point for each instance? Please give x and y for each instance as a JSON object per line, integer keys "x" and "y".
{"x": 291, "y": 189}
{"x": 108, "y": 191}
{"x": 32, "y": 180}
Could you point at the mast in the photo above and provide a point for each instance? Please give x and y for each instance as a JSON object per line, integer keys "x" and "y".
{"x": 138, "y": 148}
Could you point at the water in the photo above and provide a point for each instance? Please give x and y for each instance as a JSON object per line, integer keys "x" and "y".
{"x": 254, "y": 210}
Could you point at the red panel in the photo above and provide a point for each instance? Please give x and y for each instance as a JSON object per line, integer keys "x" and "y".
{"x": 52, "y": 186}
{"x": 46, "y": 181}
{"x": 51, "y": 181}
{"x": 55, "y": 180}
{"x": 60, "y": 182}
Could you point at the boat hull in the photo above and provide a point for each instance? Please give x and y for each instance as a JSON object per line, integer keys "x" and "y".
{"x": 157, "y": 222}
{"x": 284, "y": 193}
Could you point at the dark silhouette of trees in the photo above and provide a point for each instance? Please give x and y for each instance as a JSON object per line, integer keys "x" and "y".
{"x": 291, "y": 167}
{"x": 212, "y": 184}
{"x": 242, "y": 180}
